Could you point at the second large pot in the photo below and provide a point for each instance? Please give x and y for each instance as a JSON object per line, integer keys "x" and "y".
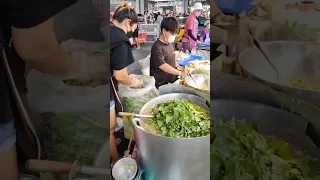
{"x": 164, "y": 158}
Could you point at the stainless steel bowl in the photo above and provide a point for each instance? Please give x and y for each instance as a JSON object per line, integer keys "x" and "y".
{"x": 298, "y": 60}
{"x": 202, "y": 82}
{"x": 125, "y": 169}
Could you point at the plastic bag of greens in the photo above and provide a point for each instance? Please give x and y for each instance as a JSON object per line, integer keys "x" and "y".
{"x": 74, "y": 113}
{"x": 134, "y": 98}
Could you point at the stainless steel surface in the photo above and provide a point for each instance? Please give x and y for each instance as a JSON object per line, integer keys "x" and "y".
{"x": 271, "y": 121}
{"x": 299, "y": 59}
{"x": 195, "y": 82}
{"x": 125, "y": 169}
{"x": 202, "y": 81}
{"x": 265, "y": 55}
{"x": 165, "y": 158}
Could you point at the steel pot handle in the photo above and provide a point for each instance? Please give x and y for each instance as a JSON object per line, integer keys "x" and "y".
{"x": 136, "y": 122}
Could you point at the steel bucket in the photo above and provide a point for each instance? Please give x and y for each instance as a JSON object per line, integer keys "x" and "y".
{"x": 164, "y": 158}
{"x": 300, "y": 59}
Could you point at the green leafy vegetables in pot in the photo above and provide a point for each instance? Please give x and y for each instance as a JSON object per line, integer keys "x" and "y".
{"x": 240, "y": 152}
{"x": 180, "y": 119}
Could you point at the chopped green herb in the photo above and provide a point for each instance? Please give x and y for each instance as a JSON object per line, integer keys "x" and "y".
{"x": 240, "y": 152}
{"x": 180, "y": 119}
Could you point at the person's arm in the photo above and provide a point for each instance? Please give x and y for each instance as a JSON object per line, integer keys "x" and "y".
{"x": 120, "y": 59}
{"x": 159, "y": 62}
{"x": 123, "y": 77}
{"x": 169, "y": 69}
{"x": 191, "y": 35}
{"x": 38, "y": 46}
{"x": 34, "y": 37}
{"x": 203, "y": 35}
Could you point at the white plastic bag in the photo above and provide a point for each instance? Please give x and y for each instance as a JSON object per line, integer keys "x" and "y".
{"x": 145, "y": 63}
{"x": 74, "y": 116}
{"x": 134, "y": 99}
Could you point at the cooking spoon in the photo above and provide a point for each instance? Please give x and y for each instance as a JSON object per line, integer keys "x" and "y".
{"x": 134, "y": 115}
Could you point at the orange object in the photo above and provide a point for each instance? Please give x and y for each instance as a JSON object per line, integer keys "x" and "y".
{"x": 124, "y": 3}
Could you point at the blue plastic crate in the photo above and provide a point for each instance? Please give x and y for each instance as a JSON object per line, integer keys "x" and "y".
{"x": 187, "y": 60}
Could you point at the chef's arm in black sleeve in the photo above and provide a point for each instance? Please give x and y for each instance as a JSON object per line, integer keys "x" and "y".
{"x": 191, "y": 35}
{"x": 34, "y": 37}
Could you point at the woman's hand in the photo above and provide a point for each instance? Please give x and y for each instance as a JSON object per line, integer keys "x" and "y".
{"x": 199, "y": 42}
{"x": 136, "y": 82}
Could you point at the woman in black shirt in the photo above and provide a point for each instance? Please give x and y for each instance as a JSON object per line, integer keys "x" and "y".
{"x": 125, "y": 20}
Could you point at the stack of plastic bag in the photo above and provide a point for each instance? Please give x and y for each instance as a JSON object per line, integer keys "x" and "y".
{"x": 145, "y": 63}
{"x": 74, "y": 112}
{"x": 133, "y": 99}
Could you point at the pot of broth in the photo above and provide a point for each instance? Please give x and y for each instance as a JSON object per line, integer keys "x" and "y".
{"x": 178, "y": 153}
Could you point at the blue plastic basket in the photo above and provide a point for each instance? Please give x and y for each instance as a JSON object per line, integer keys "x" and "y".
{"x": 187, "y": 60}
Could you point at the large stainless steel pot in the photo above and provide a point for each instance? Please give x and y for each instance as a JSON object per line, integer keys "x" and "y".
{"x": 300, "y": 59}
{"x": 165, "y": 158}
{"x": 271, "y": 121}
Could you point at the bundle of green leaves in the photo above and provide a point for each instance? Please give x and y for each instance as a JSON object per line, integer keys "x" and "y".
{"x": 240, "y": 152}
{"x": 180, "y": 119}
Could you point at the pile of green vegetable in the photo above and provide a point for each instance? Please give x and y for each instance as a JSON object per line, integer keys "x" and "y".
{"x": 240, "y": 152}
{"x": 180, "y": 119}
{"x": 134, "y": 104}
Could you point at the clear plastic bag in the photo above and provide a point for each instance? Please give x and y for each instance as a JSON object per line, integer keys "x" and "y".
{"x": 145, "y": 63}
{"x": 74, "y": 113}
{"x": 134, "y": 99}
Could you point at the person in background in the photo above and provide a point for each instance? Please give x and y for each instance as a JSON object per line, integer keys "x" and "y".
{"x": 136, "y": 37}
{"x": 159, "y": 18}
{"x": 163, "y": 66}
{"x": 205, "y": 34}
{"x": 125, "y": 20}
{"x": 190, "y": 29}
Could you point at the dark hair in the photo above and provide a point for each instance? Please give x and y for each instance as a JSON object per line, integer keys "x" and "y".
{"x": 159, "y": 13}
{"x": 169, "y": 24}
{"x": 125, "y": 12}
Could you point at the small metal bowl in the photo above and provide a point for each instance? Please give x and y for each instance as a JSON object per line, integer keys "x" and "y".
{"x": 201, "y": 80}
{"x": 125, "y": 169}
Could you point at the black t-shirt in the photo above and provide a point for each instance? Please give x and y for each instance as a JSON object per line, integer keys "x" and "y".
{"x": 121, "y": 52}
{"x": 22, "y": 14}
{"x": 162, "y": 53}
